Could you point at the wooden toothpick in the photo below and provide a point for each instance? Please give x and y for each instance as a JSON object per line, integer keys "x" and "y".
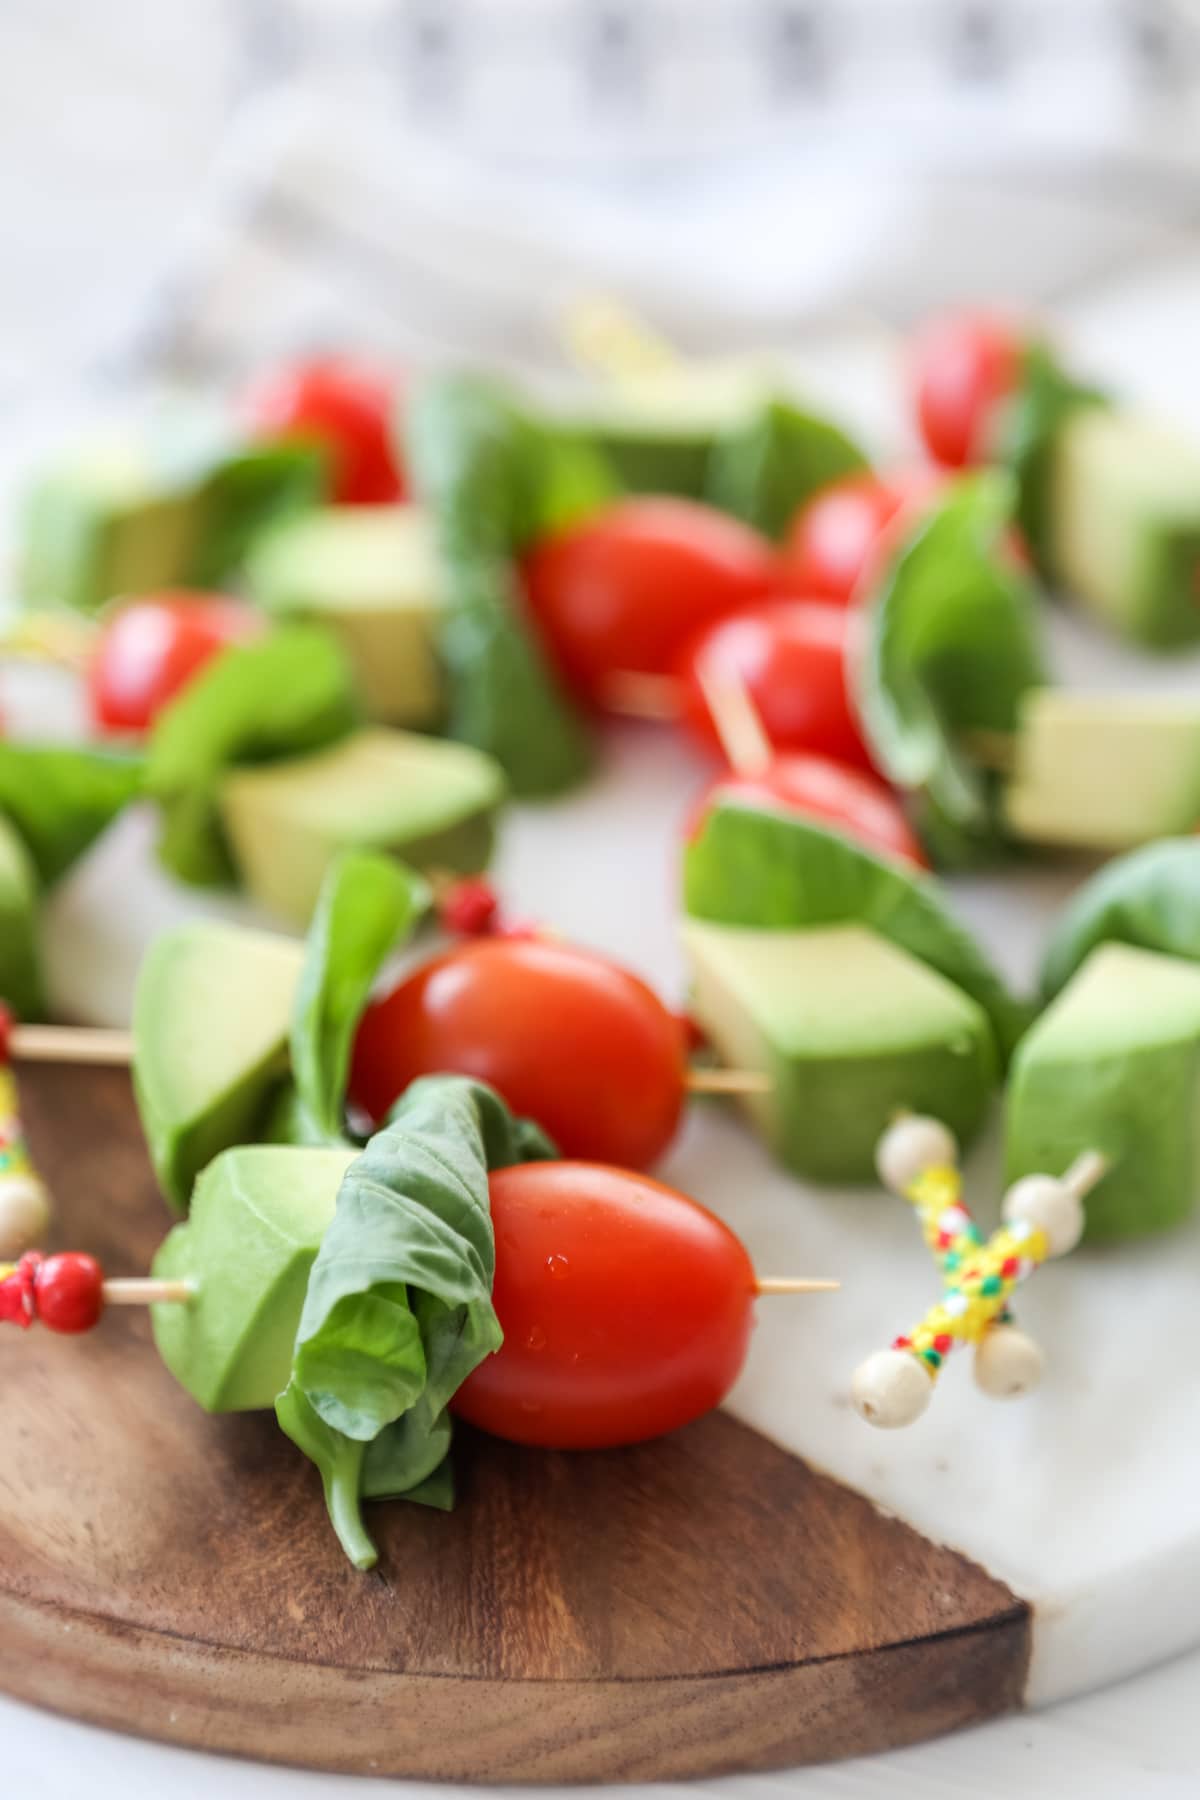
{"x": 70, "y": 1044}
{"x": 728, "y": 1081}
{"x": 144, "y": 1290}
{"x": 637, "y": 695}
{"x": 736, "y": 720}
{"x": 794, "y": 1284}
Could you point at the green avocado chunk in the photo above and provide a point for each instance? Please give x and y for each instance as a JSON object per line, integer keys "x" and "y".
{"x": 429, "y": 801}
{"x": 850, "y": 1028}
{"x": 373, "y": 575}
{"x": 1105, "y": 771}
{"x": 211, "y": 1018}
{"x": 1123, "y": 519}
{"x": 258, "y": 1215}
{"x": 1114, "y": 1065}
{"x": 128, "y": 514}
{"x": 20, "y": 959}
{"x": 658, "y": 426}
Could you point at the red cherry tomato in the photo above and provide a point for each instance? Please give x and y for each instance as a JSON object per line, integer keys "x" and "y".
{"x": 150, "y": 649}
{"x": 344, "y": 404}
{"x": 69, "y": 1291}
{"x": 625, "y": 589}
{"x": 963, "y": 366}
{"x": 834, "y": 539}
{"x": 626, "y": 1309}
{"x": 567, "y": 1037}
{"x": 791, "y": 656}
{"x": 818, "y": 789}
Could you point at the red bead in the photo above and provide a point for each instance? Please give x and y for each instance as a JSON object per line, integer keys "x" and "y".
{"x": 942, "y": 1342}
{"x": 1008, "y": 1267}
{"x": 469, "y": 907}
{"x": 69, "y": 1291}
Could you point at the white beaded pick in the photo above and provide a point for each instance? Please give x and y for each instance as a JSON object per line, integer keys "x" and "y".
{"x": 1049, "y": 1204}
{"x": 24, "y": 1215}
{"x": 891, "y": 1389}
{"x": 911, "y": 1145}
{"x": 1007, "y": 1363}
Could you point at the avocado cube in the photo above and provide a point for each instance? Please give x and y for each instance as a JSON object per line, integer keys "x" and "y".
{"x": 658, "y": 424}
{"x": 103, "y": 523}
{"x": 1114, "y": 1065}
{"x": 257, "y": 1220}
{"x": 427, "y": 800}
{"x": 373, "y": 575}
{"x": 1124, "y": 524}
{"x": 849, "y": 1028}
{"x": 211, "y": 1017}
{"x": 1105, "y": 771}
{"x": 21, "y": 987}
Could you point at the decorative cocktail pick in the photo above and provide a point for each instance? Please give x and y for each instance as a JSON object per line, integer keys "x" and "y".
{"x": 24, "y": 1201}
{"x": 917, "y": 1157}
{"x": 68, "y": 1293}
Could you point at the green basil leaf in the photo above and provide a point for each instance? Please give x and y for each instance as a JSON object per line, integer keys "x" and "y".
{"x": 60, "y": 800}
{"x": 951, "y": 645}
{"x": 368, "y": 905}
{"x": 398, "y": 1309}
{"x": 274, "y": 697}
{"x": 481, "y": 465}
{"x": 1046, "y": 397}
{"x": 250, "y": 488}
{"x": 21, "y": 985}
{"x": 764, "y": 469}
{"x": 772, "y": 870}
{"x": 1149, "y": 899}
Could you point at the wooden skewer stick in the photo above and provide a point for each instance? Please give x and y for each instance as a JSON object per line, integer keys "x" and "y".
{"x": 728, "y": 1081}
{"x": 144, "y": 1290}
{"x": 791, "y": 1284}
{"x": 736, "y": 720}
{"x": 70, "y": 1044}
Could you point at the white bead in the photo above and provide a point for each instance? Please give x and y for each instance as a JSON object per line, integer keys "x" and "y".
{"x": 891, "y": 1389}
{"x": 24, "y": 1215}
{"x": 909, "y": 1147}
{"x": 1042, "y": 1201}
{"x": 1007, "y": 1363}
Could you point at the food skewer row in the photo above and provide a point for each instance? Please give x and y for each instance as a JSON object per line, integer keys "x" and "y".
{"x": 1044, "y": 1218}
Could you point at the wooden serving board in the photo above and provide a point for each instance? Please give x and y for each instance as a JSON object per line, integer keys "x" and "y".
{"x": 703, "y": 1604}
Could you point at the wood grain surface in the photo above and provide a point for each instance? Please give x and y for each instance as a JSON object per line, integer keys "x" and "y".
{"x": 702, "y": 1604}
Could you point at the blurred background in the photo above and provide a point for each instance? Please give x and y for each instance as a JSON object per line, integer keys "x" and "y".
{"x": 188, "y": 188}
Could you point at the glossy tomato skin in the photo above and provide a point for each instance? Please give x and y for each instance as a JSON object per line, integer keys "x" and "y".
{"x": 964, "y": 366}
{"x": 149, "y": 649}
{"x": 623, "y": 590}
{"x": 626, "y": 1309}
{"x": 837, "y": 538}
{"x": 345, "y": 404}
{"x": 792, "y": 657}
{"x": 565, "y": 1036}
{"x": 816, "y": 788}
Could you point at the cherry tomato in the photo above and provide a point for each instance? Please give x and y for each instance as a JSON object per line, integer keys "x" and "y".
{"x": 791, "y": 656}
{"x": 964, "y": 366}
{"x": 834, "y": 540}
{"x": 69, "y": 1293}
{"x": 818, "y": 789}
{"x": 625, "y": 589}
{"x": 626, "y": 1309}
{"x": 150, "y": 649}
{"x": 344, "y": 404}
{"x": 567, "y": 1037}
